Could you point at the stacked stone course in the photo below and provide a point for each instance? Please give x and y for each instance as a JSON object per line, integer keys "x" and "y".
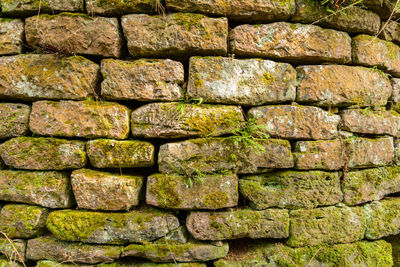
{"x": 199, "y": 133}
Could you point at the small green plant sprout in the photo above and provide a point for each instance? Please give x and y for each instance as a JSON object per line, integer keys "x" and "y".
{"x": 185, "y": 100}
{"x": 376, "y": 69}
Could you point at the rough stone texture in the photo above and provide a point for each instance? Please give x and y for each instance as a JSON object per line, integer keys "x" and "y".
{"x": 391, "y": 32}
{"x": 384, "y": 8}
{"x": 296, "y": 122}
{"x": 321, "y": 154}
{"x": 383, "y": 218}
{"x": 47, "y": 189}
{"x": 262, "y": 253}
{"x": 371, "y": 122}
{"x": 120, "y": 7}
{"x": 396, "y": 158}
{"x": 11, "y": 36}
{"x": 14, "y": 250}
{"x": 176, "y": 120}
{"x": 89, "y": 119}
{"x": 33, "y": 76}
{"x": 329, "y": 225}
{"x": 237, "y": 10}
{"x": 352, "y": 19}
{"x": 137, "y": 226}
{"x": 219, "y": 154}
{"x": 13, "y": 119}
{"x": 241, "y": 81}
{"x": 46, "y": 263}
{"x": 23, "y": 221}
{"x": 29, "y": 8}
{"x": 178, "y": 35}
{"x": 138, "y": 263}
{"x": 270, "y": 223}
{"x": 96, "y": 190}
{"x": 203, "y": 192}
{"x": 394, "y": 100}
{"x": 339, "y": 86}
{"x": 105, "y": 153}
{"x": 75, "y": 33}
{"x": 40, "y": 153}
{"x": 292, "y": 189}
{"x": 395, "y": 243}
{"x": 143, "y": 80}
{"x": 50, "y": 248}
{"x": 370, "y": 51}
{"x": 188, "y": 252}
{"x": 291, "y": 42}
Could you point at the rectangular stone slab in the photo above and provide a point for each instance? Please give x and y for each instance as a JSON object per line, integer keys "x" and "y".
{"x": 30, "y": 8}
{"x": 120, "y": 7}
{"x": 13, "y": 119}
{"x": 11, "y": 36}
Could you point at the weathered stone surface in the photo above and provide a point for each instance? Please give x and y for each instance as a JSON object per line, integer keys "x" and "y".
{"x": 396, "y": 158}
{"x": 40, "y": 153}
{"x": 291, "y": 42}
{"x": 340, "y": 86}
{"x": 120, "y": 7}
{"x": 23, "y": 221}
{"x": 96, "y": 190}
{"x": 13, "y": 119}
{"x": 106, "y": 153}
{"x": 371, "y": 51}
{"x": 111, "y": 228}
{"x": 179, "y": 235}
{"x": 330, "y": 225}
{"x": 47, "y": 189}
{"x": 188, "y": 252}
{"x": 90, "y": 119}
{"x": 363, "y": 253}
{"x": 28, "y": 8}
{"x": 370, "y": 184}
{"x": 143, "y": 80}
{"x": 50, "y": 248}
{"x": 391, "y": 32}
{"x": 178, "y": 35}
{"x": 383, "y": 218}
{"x": 270, "y": 223}
{"x": 46, "y": 263}
{"x": 176, "y": 120}
{"x": 394, "y": 100}
{"x": 33, "y": 76}
{"x": 219, "y": 154}
{"x": 322, "y": 154}
{"x": 384, "y": 8}
{"x": 296, "y": 122}
{"x": 241, "y": 81}
{"x": 11, "y": 36}
{"x": 14, "y": 249}
{"x": 138, "y": 263}
{"x": 350, "y": 19}
{"x": 75, "y": 33}
{"x": 180, "y": 192}
{"x": 292, "y": 189}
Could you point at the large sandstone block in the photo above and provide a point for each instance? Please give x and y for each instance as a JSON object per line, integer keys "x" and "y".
{"x": 12, "y": 249}
{"x": 339, "y": 86}
{"x": 219, "y": 154}
{"x": 47, "y": 189}
{"x": 330, "y": 225}
{"x": 96, "y": 190}
{"x": 33, "y": 76}
{"x": 13, "y": 119}
{"x": 178, "y": 35}
{"x": 202, "y": 192}
{"x": 105, "y": 153}
{"x": 241, "y": 81}
{"x": 11, "y": 36}
{"x": 296, "y": 122}
{"x": 176, "y": 120}
{"x": 120, "y": 7}
{"x": 143, "y": 80}
{"x": 23, "y": 221}
{"x": 75, "y": 34}
{"x": 391, "y": 32}
{"x": 137, "y": 226}
{"x": 291, "y": 42}
{"x": 371, "y": 51}
{"x": 292, "y": 189}
{"x": 40, "y": 153}
{"x": 50, "y": 248}
{"x": 89, "y": 119}
{"x": 30, "y": 8}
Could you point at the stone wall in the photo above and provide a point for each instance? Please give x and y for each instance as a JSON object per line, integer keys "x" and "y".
{"x": 199, "y": 133}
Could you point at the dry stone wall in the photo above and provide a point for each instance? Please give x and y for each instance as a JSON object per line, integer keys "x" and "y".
{"x": 199, "y": 133}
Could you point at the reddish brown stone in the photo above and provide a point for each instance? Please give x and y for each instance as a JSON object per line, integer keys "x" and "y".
{"x": 13, "y": 120}
{"x": 120, "y": 7}
{"x": 34, "y": 7}
{"x": 391, "y": 32}
{"x": 11, "y": 36}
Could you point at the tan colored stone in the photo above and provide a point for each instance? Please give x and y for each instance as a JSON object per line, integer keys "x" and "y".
{"x": 338, "y": 86}
{"x": 13, "y": 119}
{"x": 75, "y": 33}
{"x": 120, "y": 7}
{"x": 13, "y": 250}
{"x": 89, "y": 119}
{"x": 296, "y": 122}
{"x": 11, "y": 36}
{"x": 33, "y": 7}
{"x": 391, "y": 32}
{"x": 291, "y": 42}
{"x": 143, "y": 80}
{"x": 178, "y": 35}
{"x": 33, "y": 76}
{"x": 394, "y": 100}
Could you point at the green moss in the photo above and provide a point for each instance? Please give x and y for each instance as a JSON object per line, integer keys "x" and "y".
{"x": 216, "y": 200}
{"x": 126, "y": 6}
{"x": 268, "y": 78}
{"x": 193, "y": 22}
{"x": 165, "y": 190}
{"x": 65, "y": 14}
{"x": 197, "y": 81}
